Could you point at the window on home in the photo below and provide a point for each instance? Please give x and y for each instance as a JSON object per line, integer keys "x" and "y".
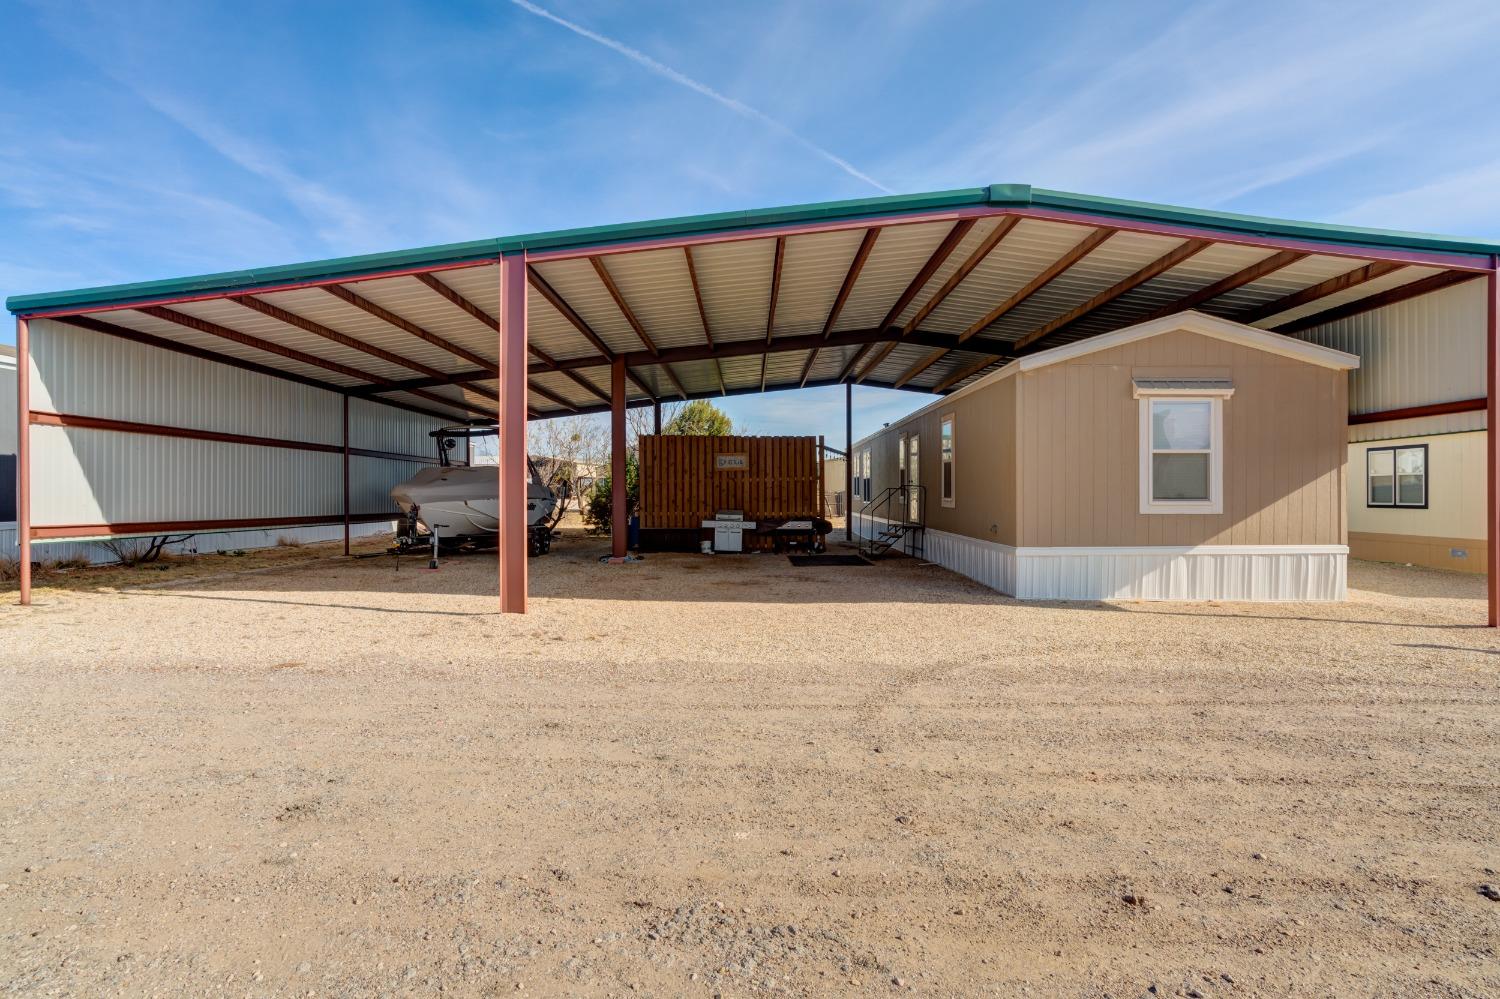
{"x": 864, "y": 475}
{"x": 1182, "y": 435}
{"x": 945, "y": 451}
{"x": 1396, "y": 476}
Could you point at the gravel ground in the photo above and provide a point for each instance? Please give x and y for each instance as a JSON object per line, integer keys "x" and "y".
{"x": 694, "y": 776}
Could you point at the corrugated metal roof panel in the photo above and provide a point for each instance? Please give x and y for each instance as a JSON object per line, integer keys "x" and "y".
{"x": 897, "y": 362}
{"x": 656, "y": 287}
{"x": 899, "y": 254}
{"x": 581, "y": 288}
{"x": 1116, "y": 258}
{"x": 961, "y": 253}
{"x": 243, "y": 320}
{"x": 1290, "y": 279}
{"x": 131, "y": 319}
{"x": 322, "y": 308}
{"x": 811, "y": 274}
{"x": 1395, "y": 279}
{"x": 548, "y": 331}
{"x": 419, "y": 305}
{"x": 735, "y": 279}
{"x": 1026, "y": 251}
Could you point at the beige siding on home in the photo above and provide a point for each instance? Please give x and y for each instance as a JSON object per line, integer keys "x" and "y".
{"x": 1284, "y": 449}
{"x": 984, "y": 462}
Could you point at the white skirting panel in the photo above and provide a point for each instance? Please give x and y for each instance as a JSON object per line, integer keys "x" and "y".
{"x": 1208, "y": 572}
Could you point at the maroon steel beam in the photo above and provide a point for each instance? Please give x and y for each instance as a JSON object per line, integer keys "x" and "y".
{"x": 346, "y": 473}
{"x": 619, "y": 514}
{"x": 53, "y": 532}
{"x": 1416, "y": 412}
{"x": 1492, "y": 437}
{"x": 511, "y": 439}
{"x": 23, "y": 456}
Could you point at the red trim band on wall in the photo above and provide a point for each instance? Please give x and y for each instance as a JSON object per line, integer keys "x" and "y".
{"x": 160, "y": 430}
{"x": 57, "y": 531}
{"x": 1412, "y": 412}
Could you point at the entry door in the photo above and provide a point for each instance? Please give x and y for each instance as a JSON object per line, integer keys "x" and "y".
{"x": 913, "y": 478}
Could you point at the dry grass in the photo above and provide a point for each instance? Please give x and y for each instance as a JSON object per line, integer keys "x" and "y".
{"x": 693, "y": 775}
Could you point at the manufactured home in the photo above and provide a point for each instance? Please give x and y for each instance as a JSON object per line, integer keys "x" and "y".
{"x": 1185, "y": 458}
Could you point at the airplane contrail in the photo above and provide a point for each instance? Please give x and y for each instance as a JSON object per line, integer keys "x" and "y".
{"x": 681, "y": 79}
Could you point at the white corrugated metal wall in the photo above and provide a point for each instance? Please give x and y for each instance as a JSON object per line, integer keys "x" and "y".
{"x": 1425, "y": 350}
{"x": 1419, "y": 352}
{"x": 86, "y": 476}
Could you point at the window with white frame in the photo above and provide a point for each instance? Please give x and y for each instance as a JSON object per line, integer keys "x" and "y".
{"x": 945, "y": 456}
{"x": 1396, "y": 476}
{"x": 864, "y": 475}
{"x": 1182, "y": 445}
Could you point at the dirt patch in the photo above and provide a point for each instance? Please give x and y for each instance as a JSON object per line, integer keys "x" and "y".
{"x": 347, "y": 778}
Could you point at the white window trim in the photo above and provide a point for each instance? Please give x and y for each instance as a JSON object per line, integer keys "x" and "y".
{"x": 1215, "y": 502}
{"x": 951, "y": 499}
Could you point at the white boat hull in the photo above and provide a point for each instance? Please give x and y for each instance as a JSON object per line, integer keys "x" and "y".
{"x": 464, "y": 502}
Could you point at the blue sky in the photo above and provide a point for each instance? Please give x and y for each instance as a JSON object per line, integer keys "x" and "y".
{"x": 147, "y": 140}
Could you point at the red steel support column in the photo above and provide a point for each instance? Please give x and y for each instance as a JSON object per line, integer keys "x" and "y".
{"x": 346, "y": 473}
{"x": 23, "y": 454}
{"x": 1492, "y": 437}
{"x": 619, "y": 521}
{"x": 512, "y": 437}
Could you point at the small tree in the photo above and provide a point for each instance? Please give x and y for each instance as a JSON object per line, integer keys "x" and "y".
{"x": 700, "y": 418}
{"x": 598, "y": 507}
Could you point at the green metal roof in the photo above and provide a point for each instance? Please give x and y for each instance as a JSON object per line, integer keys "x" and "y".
{"x": 1012, "y": 195}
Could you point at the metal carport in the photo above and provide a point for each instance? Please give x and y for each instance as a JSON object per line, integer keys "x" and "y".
{"x": 922, "y": 293}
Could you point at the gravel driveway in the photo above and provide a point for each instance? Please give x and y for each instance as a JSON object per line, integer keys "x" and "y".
{"x": 699, "y": 776}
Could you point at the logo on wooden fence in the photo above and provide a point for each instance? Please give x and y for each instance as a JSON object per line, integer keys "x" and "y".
{"x": 731, "y": 462}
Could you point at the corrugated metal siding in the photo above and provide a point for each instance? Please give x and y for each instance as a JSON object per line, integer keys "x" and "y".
{"x": 371, "y": 479}
{"x": 1424, "y": 350}
{"x": 384, "y": 428}
{"x": 82, "y": 476}
{"x": 91, "y": 477}
{"x": 82, "y": 373}
{"x": 8, "y": 412}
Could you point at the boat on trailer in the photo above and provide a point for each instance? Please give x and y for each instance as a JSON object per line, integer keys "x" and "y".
{"x": 458, "y": 505}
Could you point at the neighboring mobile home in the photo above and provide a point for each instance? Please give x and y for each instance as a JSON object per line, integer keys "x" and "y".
{"x": 1189, "y": 457}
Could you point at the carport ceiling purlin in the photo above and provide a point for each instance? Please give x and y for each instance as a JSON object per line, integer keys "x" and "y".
{"x": 923, "y": 293}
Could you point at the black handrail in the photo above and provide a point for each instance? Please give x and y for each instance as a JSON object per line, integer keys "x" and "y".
{"x": 908, "y": 525}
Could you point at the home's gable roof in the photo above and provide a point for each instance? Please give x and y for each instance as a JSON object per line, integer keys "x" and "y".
{"x": 1193, "y": 322}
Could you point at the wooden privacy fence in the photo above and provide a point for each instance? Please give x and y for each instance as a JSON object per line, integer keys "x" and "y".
{"x": 686, "y": 480}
